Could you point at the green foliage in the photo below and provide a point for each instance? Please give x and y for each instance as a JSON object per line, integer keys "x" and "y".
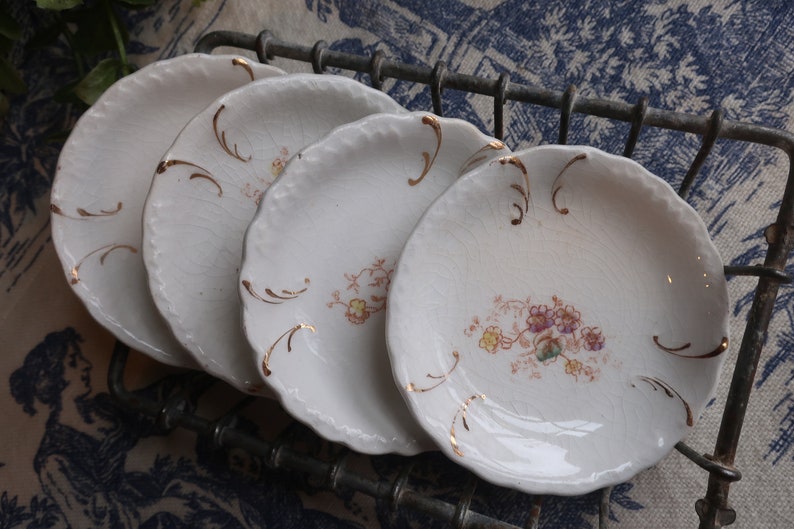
{"x": 98, "y": 80}
{"x": 92, "y": 30}
{"x": 58, "y": 5}
{"x": 95, "y": 28}
{"x": 9, "y": 28}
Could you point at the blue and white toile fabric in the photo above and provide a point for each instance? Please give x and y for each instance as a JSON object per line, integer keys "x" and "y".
{"x": 72, "y": 457}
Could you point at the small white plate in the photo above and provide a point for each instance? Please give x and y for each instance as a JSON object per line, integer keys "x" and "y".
{"x": 318, "y": 261}
{"x": 206, "y": 191}
{"x": 557, "y": 320}
{"x": 104, "y": 171}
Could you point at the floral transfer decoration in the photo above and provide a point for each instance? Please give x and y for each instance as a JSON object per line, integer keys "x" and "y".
{"x": 256, "y": 190}
{"x": 361, "y": 302}
{"x": 546, "y": 335}
{"x": 278, "y": 163}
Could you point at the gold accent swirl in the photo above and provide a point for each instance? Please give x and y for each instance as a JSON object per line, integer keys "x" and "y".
{"x": 75, "y": 270}
{"x": 524, "y": 192}
{"x": 276, "y": 299}
{"x": 671, "y": 349}
{"x": 436, "y": 125}
{"x": 721, "y": 348}
{"x": 462, "y": 414}
{"x": 657, "y": 384}
{"x": 556, "y": 188}
{"x": 210, "y": 179}
{"x": 165, "y": 164}
{"x": 221, "y": 137}
{"x": 477, "y": 157}
{"x": 239, "y": 61}
{"x": 441, "y": 378}
{"x": 290, "y": 333}
{"x": 84, "y": 214}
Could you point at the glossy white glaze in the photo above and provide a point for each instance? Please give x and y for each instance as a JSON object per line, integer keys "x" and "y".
{"x": 104, "y": 172}
{"x": 530, "y": 312}
{"x": 207, "y": 190}
{"x": 325, "y": 239}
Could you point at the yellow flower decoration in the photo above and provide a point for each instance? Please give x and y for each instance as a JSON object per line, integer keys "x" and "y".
{"x": 573, "y": 367}
{"x": 491, "y": 339}
{"x": 357, "y": 311}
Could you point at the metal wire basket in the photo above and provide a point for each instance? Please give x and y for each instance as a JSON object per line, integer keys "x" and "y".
{"x": 178, "y": 408}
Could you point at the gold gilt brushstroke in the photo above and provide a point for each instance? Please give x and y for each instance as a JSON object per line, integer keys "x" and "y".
{"x": 210, "y": 179}
{"x": 671, "y": 349}
{"x": 275, "y": 299}
{"x": 165, "y": 164}
{"x": 75, "y": 271}
{"x": 441, "y": 378}
{"x": 462, "y": 414}
{"x": 221, "y": 137}
{"x": 523, "y": 191}
{"x": 290, "y": 333}
{"x": 436, "y": 125}
{"x": 721, "y": 348}
{"x": 556, "y": 188}
{"x": 206, "y": 175}
{"x": 84, "y": 214}
{"x": 239, "y": 61}
{"x": 478, "y": 157}
{"x": 657, "y": 384}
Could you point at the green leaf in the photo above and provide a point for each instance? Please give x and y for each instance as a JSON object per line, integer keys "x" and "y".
{"x": 98, "y": 80}
{"x": 10, "y": 80}
{"x": 94, "y": 33}
{"x": 8, "y": 26}
{"x": 58, "y": 5}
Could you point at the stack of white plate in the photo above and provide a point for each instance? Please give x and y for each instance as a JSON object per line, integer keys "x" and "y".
{"x": 554, "y": 319}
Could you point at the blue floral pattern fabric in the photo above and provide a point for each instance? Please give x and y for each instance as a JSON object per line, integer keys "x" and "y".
{"x": 74, "y": 457}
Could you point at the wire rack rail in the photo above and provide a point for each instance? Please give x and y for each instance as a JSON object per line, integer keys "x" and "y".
{"x": 714, "y": 510}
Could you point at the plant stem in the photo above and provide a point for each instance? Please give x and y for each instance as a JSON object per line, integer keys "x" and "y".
{"x": 125, "y": 66}
{"x": 78, "y": 59}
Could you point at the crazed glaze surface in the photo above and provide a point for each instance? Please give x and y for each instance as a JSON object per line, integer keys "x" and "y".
{"x": 104, "y": 172}
{"x": 318, "y": 262}
{"x": 557, "y": 320}
{"x": 206, "y": 191}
